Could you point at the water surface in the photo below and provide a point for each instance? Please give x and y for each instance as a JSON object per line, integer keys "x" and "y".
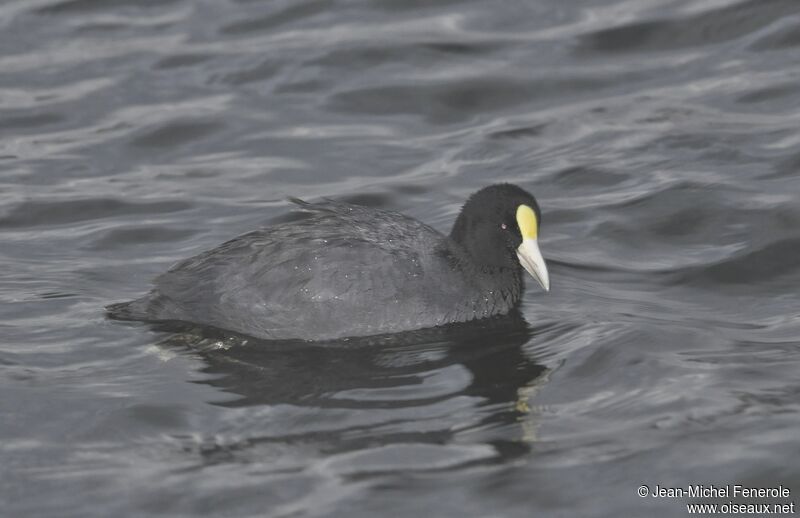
{"x": 660, "y": 137}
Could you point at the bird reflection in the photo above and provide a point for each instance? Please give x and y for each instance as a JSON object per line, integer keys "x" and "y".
{"x": 483, "y": 361}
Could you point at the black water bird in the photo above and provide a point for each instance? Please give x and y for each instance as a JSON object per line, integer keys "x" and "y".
{"x": 348, "y": 270}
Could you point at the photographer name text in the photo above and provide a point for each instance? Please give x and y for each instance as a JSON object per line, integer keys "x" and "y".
{"x": 712, "y": 491}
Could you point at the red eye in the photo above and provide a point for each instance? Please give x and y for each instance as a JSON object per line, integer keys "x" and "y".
{"x": 503, "y": 226}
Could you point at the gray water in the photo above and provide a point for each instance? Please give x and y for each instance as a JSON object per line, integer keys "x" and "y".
{"x": 661, "y": 137}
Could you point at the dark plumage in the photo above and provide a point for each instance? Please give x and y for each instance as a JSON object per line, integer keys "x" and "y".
{"x": 349, "y": 270}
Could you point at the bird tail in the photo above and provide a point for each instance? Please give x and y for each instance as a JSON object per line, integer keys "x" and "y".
{"x": 132, "y": 310}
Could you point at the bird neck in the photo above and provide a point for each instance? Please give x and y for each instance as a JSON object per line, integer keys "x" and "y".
{"x": 499, "y": 281}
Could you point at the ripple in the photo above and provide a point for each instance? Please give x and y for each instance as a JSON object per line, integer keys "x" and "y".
{"x": 176, "y": 133}
{"x": 30, "y": 122}
{"x": 136, "y": 236}
{"x": 413, "y": 457}
{"x": 17, "y": 99}
{"x": 281, "y": 17}
{"x": 265, "y": 70}
{"x": 182, "y": 60}
{"x": 767, "y": 94}
{"x": 454, "y": 100}
{"x": 578, "y": 177}
{"x": 768, "y": 263}
{"x": 85, "y": 6}
{"x": 48, "y": 213}
{"x": 702, "y": 29}
{"x": 785, "y": 37}
{"x": 424, "y": 386}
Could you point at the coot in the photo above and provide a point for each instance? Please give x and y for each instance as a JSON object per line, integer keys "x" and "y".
{"x": 348, "y": 270}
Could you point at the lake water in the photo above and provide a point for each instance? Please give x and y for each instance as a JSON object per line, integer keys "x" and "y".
{"x": 661, "y": 137}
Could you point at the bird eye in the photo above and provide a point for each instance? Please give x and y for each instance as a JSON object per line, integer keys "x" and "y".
{"x": 503, "y": 226}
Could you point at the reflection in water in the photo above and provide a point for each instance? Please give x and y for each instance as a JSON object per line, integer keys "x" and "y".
{"x": 481, "y": 362}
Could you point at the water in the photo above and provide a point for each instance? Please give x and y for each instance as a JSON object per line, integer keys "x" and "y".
{"x": 660, "y": 138}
